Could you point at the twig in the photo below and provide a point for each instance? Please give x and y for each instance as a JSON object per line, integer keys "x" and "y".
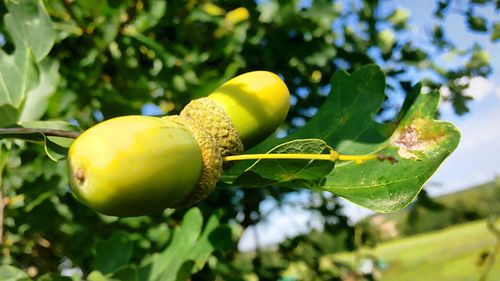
{"x": 47, "y": 132}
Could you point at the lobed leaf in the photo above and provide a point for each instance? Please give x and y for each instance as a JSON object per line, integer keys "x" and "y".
{"x": 30, "y": 29}
{"x": 346, "y": 122}
{"x": 113, "y": 253}
{"x": 191, "y": 246}
{"x": 419, "y": 143}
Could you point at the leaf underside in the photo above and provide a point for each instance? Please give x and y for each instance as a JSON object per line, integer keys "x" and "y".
{"x": 346, "y": 122}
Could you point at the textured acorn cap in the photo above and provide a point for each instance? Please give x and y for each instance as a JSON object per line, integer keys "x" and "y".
{"x": 211, "y": 160}
{"x": 207, "y": 114}
{"x": 216, "y": 136}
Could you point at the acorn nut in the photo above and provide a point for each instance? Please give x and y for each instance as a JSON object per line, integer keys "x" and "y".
{"x": 134, "y": 165}
{"x": 257, "y": 103}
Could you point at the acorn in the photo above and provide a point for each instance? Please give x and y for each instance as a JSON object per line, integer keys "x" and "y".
{"x": 256, "y": 102}
{"x": 138, "y": 165}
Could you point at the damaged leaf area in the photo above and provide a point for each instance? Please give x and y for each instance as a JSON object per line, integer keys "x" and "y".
{"x": 417, "y": 142}
{"x": 414, "y": 142}
{"x": 419, "y": 136}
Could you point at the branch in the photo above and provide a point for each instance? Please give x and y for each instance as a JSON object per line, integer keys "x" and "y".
{"x": 47, "y": 132}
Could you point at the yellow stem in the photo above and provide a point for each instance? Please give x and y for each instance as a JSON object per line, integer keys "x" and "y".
{"x": 333, "y": 156}
{"x": 357, "y": 158}
{"x": 278, "y": 156}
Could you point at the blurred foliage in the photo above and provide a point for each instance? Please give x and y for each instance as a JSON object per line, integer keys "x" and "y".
{"x": 430, "y": 214}
{"x": 455, "y": 208}
{"x": 112, "y": 58}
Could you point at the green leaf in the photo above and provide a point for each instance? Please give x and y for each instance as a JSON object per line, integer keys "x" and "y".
{"x": 419, "y": 142}
{"x": 420, "y": 145}
{"x": 294, "y": 173}
{"x": 149, "y": 17}
{"x": 399, "y": 16}
{"x": 267, "y": 11}
{"x": 30, "y": 27}
{"x": 190, "y": 242}
{"x": 113, "y": 253}
{"x": 345, "y": 122}
{"x": 477, "y": 23}
{"x": 11, "y": 273}
{"x": 479, "y": 59}
{"x": 37, "y": 98}
{"x": 8, "y": 115}
{"x": 128, "y": 273}
{"x": 18, "y": 74}
{"x": 185, "y": 271}
{"x": 4, "y": 155}
{"x": 495, "y": 34}
{"x": 386, "y": 40}
{"x": 96, "y": 276}
{"x": 39, "y": 200}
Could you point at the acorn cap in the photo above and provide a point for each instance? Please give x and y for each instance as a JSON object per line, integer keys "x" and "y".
{"x": 216, "y": 136}
{"x": 209, "y": 115}
{"x": 211, "y": 161}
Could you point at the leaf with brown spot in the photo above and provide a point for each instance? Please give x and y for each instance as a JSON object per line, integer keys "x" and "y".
{"x": 417, "y": 141}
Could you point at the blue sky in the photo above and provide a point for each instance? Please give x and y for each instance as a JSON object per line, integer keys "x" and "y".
{"x": 477, "y": 158}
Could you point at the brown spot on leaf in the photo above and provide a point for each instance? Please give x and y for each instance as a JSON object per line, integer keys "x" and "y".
{"x": 389, "y": 158}
{"x": 409, "y": 140}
